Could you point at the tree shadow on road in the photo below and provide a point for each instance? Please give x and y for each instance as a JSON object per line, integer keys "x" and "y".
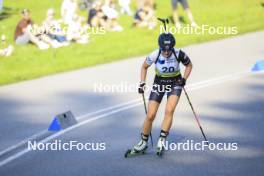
{"x": 242, "y": 121}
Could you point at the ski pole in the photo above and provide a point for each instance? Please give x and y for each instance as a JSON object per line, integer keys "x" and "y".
{"x": 165, "y": 21}
{"x": 145, "y": 106}
{"x": 195, "y": 115}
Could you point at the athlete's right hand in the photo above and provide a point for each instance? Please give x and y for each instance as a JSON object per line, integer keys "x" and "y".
{"x": 141, "y": 87}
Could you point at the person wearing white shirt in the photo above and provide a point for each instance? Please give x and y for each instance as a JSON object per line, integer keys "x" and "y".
{"x": 68, "y": 10}
{"x": 125, "y": 8}
{"x": 110, "y": 12}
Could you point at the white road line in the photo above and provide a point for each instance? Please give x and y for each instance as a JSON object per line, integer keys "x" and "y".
{"x": 21, "y": 143}
{"x": 107, "y": 109}
{"x": 24, "y": 151}
{"x": 218, "y": 80}
{"x": 189, "y": 88}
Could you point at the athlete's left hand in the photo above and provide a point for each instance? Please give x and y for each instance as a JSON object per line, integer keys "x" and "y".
{"x": 181, "y": 82}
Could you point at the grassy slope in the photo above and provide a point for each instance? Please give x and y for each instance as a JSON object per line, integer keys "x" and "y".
{"x": 28, "y": 62}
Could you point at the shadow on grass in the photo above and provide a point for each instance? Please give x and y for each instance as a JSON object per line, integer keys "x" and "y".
{"x": 8, "y": 12}
{"x": 181, "y": 19}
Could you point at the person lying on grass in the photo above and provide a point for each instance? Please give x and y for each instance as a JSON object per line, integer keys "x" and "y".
{"x": 53, "y": 28}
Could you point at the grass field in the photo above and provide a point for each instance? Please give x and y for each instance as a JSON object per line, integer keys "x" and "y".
{"x": 28, "y": 62}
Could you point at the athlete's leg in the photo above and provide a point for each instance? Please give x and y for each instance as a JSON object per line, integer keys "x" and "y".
{"x": 153, "y": 105}
{"x": 151, "y": 114}
{"x": 172, "y": 102}
{"x": 152, "y": 110}
{"x": 167, "y": 121}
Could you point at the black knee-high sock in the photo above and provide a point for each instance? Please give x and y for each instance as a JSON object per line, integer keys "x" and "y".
{"x": 144, "y": 137}
{"x": 164, "y": 134}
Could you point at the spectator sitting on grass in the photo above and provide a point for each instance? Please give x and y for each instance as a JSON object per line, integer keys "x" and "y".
{"x": 53, "y": 28}
{"x": 77, "y": 32}
{"x": 27, "y": 32}
{"x": 140, "y": 3}
{"x": 5, "y": 49}
{"x": 145, "y": 16}
{"x": 112, "y": 15}
{"x": 96, "y": 17}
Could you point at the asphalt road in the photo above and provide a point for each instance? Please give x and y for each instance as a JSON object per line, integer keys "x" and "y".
{"x": 231, "y": 110}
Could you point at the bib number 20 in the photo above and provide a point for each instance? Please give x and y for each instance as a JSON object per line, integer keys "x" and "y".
{"x": 168, "y": 69}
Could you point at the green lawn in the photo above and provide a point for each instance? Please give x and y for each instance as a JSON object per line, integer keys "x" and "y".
{"x": 28, "y": 62}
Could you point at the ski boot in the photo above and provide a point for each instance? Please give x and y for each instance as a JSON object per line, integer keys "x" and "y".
{"x": 138, "y": 149}
{"x": 161, "y": 143}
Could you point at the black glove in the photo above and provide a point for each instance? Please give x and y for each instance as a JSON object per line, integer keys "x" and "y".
{"x": 141, "y": 87}
{"x": 181, "y": 82}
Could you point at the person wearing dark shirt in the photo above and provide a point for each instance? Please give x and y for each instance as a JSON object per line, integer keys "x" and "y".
{"x": 25, "y": 33}
{"x": 21, "y": 33}
{"x": 96, "y": 17}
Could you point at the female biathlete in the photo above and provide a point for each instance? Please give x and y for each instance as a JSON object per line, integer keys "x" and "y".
{"x": 168, "y": 80}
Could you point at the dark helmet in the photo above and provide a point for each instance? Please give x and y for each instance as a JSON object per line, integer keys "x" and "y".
{"x": 166, "y": 41}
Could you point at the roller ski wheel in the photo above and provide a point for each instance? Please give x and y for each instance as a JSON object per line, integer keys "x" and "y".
{"x": 160, "y": 152}
{"x": 132, "y": 152}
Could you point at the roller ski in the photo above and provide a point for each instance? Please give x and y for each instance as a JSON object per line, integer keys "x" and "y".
{"x": 160, "y": 147}
{"x": 138, "y": 149}
{"x": 133, "y": 152}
